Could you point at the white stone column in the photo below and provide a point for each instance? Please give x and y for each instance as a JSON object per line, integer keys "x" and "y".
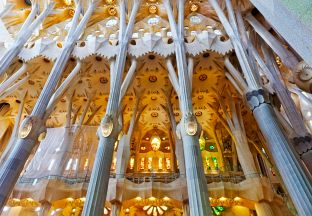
{"x": 25, "y": 33}
{"x": 109, "y": 128}
{"x": 188, "y": 127}
{"x": 296, "y": 180}
{"x": 34, "y": 125}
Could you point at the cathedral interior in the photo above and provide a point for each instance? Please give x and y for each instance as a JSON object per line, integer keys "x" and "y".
{"x": 155, "y": 107}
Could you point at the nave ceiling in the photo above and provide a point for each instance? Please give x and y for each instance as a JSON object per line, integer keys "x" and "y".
{"x": 151, "y": 46}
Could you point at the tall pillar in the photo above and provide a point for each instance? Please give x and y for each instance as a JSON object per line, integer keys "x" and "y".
{"x": 110, "y": 127}
{"x": 188, "y": 127}
{"x": 116, "y": 208}
{"x": 24, "y": 34}
{"x": 34, "y": 125}
{"x": 263, "y": 208}
{"x": 123, "y": 155}
{"x": 296, "y": 180}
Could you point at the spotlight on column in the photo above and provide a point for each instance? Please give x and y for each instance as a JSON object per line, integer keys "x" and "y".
{"x": 107, "y": 126}
{"x": 190, "y": 124}
{"x": 25, "y": 128}
{"x": 42, "y": 136}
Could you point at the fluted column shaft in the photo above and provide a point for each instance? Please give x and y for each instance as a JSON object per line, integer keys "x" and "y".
{"x": 296, "y": 180}
{"x": 97, "y": 189}
{"x": 123, "y": 155}
{"x": 13, "y": 166}
{"x": 98, "y": 185}
{"x": 195, "y": 178}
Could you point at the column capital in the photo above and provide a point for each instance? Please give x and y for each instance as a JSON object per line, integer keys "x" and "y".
{"x": 257, "y": 97}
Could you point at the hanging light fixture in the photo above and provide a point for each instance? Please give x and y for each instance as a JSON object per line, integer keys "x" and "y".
{"x": 107, "y": 126}
{"x": 155, "y": 142}
{"x": 25, "y": 128}
{"x": 190, "y": 124}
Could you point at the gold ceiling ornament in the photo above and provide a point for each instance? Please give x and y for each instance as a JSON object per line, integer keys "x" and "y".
{"x": 68, "y": 2}
{"x": 152, "y": 9}
{"x": 112, "y": 11}
{"x": 71, "y": 12}
{"x": 155, "y": 142}
{"x": 27, "y": 202}
{"x": 42, "y": 136}
{"x": 110, "y": 1}
{"x": 194, "y": 7}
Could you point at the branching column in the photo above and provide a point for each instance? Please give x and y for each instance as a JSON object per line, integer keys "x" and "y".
{"x": 23, "y": 35}
{"x": 188, "y": 127}
{"x": 296, "y": 180}
{"x": 110, "y": 128}
{"x": 34, "y": 125}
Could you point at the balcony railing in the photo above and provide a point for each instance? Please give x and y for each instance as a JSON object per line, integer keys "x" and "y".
{"x": 138, "y": 178}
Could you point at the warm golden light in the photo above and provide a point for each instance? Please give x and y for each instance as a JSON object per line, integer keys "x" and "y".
{"x": 155, "y": 210}
{"x": 68, "y": 2}
{"x": 131, "y": 163}
{"x": 42, "y": 136}
{"x": 155, "y": 142}
{"x": 160, "y": 163}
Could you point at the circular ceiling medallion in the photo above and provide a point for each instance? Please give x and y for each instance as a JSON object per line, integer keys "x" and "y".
{"x": 152, "y": 9}
{"x": 152, "y": 78}
{"x": 30, "y": 82}
{"x": 71, "y": 12}
{"x": 112, "y": 11}
{"x": 202, "y": 77}
{"x": 198, "y": 113}
{"x": 200, "y": 97}
{"x": 194, "y": 7}
{"x": 103, "y": 80}
{"x": 154, "y": 114}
